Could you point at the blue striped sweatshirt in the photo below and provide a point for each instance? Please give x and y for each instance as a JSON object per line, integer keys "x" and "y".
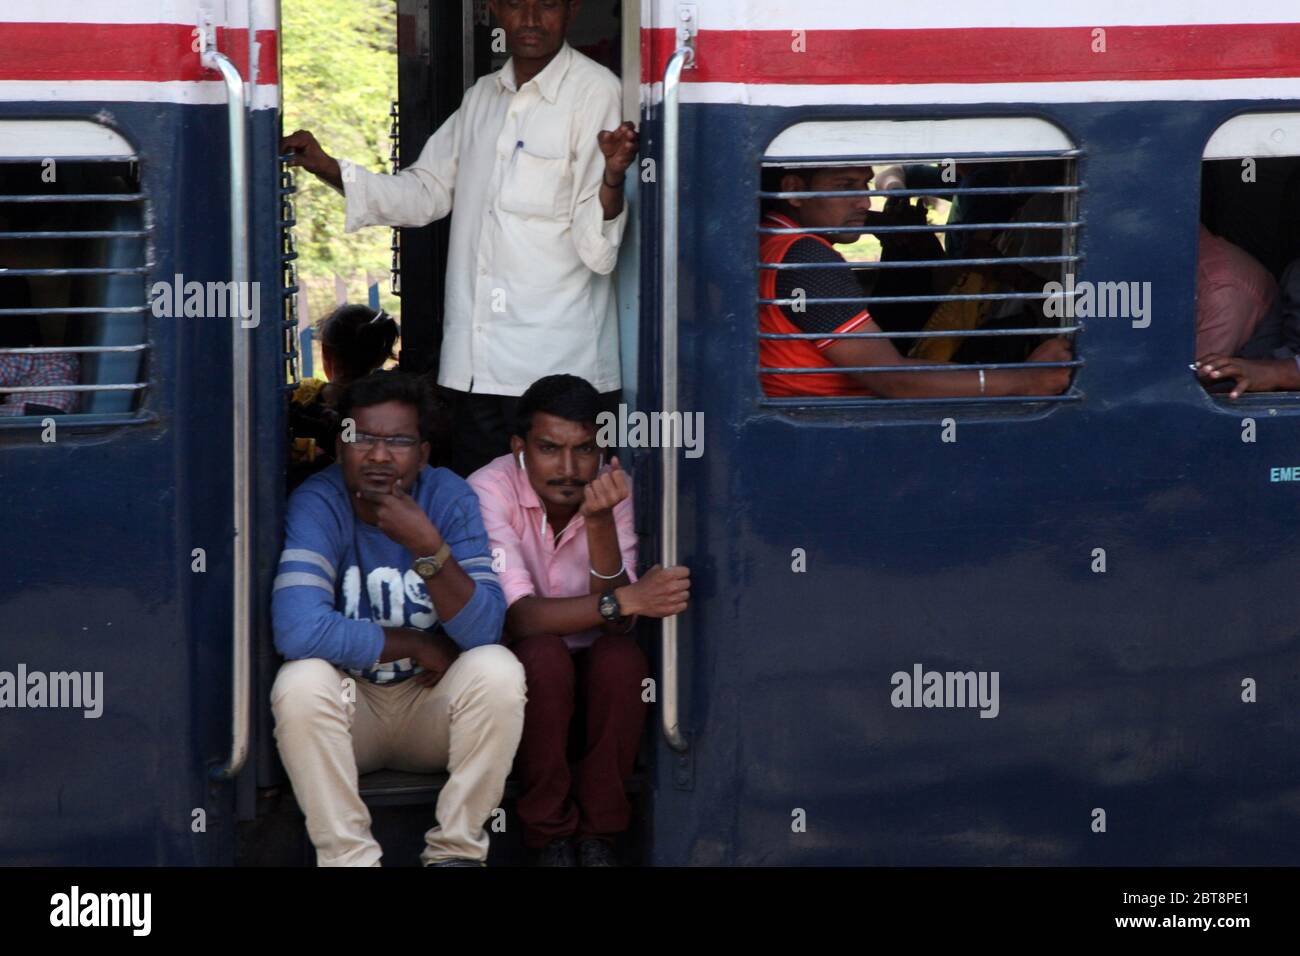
{"x": 340, "y": 580}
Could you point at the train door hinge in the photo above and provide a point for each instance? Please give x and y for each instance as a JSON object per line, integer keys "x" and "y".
{"x": 205, "y": 29}
{"x": 688, "y": 27}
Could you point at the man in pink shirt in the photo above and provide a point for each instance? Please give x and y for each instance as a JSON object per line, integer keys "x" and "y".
{"x": 1233, "y": 292}
{"x": 559, "y": 522}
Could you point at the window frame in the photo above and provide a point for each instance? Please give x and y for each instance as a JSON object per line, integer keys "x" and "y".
{"x": 841, "y": 142}
{"x": 85, "y": 140}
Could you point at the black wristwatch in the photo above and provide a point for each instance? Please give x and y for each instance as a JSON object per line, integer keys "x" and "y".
{"x": 609, "y": 608}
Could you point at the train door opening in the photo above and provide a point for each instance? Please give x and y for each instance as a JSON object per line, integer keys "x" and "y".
{"x": 442, "y": 50}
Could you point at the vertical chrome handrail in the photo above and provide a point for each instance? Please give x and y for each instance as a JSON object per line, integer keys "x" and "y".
{"x": 241, "y": 404}
{"x": 668, "y": 366}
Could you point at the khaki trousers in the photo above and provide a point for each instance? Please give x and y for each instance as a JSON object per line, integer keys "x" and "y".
{"x": 330, "y": 728}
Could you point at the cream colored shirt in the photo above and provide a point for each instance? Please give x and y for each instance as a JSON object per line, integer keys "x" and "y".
{"x": 528, "y": 289}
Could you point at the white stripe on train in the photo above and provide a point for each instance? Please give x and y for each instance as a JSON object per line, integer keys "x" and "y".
{"x": 894, "y": 94}
{"x": 266, "y": 96}
{"x": 935, "y": 14}
{"x": 137, "y": 11}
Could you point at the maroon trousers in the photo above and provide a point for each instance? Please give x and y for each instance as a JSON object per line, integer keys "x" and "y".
{"x": 556, "y": 803}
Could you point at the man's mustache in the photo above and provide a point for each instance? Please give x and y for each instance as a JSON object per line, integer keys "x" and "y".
{"x": 567, "y": 483}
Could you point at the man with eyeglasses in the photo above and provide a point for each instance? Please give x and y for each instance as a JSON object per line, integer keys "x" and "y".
{"x": 388, "y": 612}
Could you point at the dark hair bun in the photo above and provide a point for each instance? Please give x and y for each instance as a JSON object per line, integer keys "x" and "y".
{"x": 360, "y": 337}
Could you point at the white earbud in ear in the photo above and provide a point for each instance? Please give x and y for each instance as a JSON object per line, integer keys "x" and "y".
{"x": 521, "y": 459}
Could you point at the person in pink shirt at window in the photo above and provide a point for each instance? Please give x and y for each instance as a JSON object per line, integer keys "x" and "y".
{"x": 1233, "y": 292}
{"x": 559, "y": 522}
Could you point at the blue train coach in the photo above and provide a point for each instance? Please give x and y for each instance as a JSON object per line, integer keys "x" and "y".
{"x": 995, "y": 628}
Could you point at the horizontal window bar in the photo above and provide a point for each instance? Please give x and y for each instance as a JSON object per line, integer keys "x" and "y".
{"x": 919, "y": 159}
{"x": 89, "y": 234}
{"x": 876, "y": 299}
{"x": 79, "y": 310}
{"x": 849, "y": 401}
{"x": 945, "y": 367}
{"x": 289, "y": 289}
{"x": 953, "y": 227}
{"x": 73, "y": 350}
{"x": 80, "y": 419}
{"x": 963, "y": 334}
{"x": 945, "y": 191}
{"x": 74, "y": 388}
{"x": 75, "y": 197}
{"x": 71, "y": 159}
{"x": 916, "y": 263}
{"x": 104, "y": 271}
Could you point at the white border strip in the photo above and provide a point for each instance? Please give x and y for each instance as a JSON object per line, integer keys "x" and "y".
{"x": 887, "y": 94}
{"x": 922, "y": 14}
{"x": 266, "y": 96}
{"x": 135, "y": 11}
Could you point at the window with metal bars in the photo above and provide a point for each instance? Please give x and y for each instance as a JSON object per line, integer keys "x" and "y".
{"x": 1247, "y": 334}
{"x": 74, "y": 248}
{"x": 917, "y": 278}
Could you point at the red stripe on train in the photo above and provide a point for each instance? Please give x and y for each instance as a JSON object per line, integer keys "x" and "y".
{"x": 983, "y": 55}
{"x": 123, "y": 51}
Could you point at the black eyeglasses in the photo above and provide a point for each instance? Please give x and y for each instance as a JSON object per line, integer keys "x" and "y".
{"x": 364, "y": 440}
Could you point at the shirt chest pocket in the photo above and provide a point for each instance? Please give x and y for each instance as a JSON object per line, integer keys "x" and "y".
{"x": 537, "y": 185}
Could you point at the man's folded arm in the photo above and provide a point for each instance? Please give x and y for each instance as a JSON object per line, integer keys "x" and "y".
{"x": 481, "y": 619}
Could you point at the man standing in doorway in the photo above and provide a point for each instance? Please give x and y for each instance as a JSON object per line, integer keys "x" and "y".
{"x": 533, "y": 162}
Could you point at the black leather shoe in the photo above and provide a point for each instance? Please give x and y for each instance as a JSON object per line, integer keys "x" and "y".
{"x": 557, "y": 853}
{"x": 596, "y": 852}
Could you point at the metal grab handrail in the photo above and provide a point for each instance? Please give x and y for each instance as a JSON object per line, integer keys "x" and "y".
{"x": 241, "y": 403}
{"x": 669, "y": 708}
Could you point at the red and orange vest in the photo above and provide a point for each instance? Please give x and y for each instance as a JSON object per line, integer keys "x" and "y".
{"x": 792, "y": 353}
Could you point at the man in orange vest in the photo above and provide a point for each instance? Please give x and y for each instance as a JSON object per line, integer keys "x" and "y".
{"x": 823, "y": 280}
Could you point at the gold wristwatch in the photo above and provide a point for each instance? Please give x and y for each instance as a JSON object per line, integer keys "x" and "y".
{"x": 428, "y": 567}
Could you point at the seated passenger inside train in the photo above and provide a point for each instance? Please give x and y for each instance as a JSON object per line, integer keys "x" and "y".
{"x": 559, "y": 518}
{"x": 829, "y": 277}
{"x": 1248, "y": 323}
{"x": 996, "y": 242}
{"x": 389, "y": 617}
{"x": 22, "y": 369}
{"x": 1270, "y": 360}
{"x": 355, "y": 340}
